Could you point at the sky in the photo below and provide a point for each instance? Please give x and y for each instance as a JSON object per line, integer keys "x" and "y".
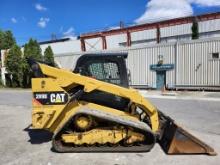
{"x": 40, "y": 19}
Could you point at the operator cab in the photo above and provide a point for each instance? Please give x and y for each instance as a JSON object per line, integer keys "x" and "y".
{"x": 110, "y": 68}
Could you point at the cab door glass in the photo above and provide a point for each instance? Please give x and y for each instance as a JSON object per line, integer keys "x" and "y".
{"x": 105, "y": 71}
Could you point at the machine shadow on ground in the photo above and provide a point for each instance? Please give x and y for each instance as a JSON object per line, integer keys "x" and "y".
{"x": 38, "y": 136}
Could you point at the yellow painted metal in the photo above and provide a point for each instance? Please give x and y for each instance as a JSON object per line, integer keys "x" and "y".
{"x": 134, "y": 137}
{"x": 102, "y": 136}
{"x": 66, "y": 79}
{"x": 73, "y": 108}
{"x": 83, "y": 122}
{"x": 43, "y": 116}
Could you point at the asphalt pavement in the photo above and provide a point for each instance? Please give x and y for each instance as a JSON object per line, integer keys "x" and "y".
{"x": 18, "y": 145}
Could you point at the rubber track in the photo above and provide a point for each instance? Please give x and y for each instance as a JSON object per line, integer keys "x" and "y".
{"x": 59, "y": 147}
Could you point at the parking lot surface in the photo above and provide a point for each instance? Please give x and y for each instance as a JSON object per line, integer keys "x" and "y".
{"x": 19, "y": 145}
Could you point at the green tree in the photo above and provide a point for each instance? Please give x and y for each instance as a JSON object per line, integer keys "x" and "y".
{"x": 195, "y": 30}
{"x": 49, "y": 56}
{"x": 13, "y": 63}
{"x": 1, "y": 39}
{"x": 7, "y": 39}
{"x": 31, "y": 50}
{"x": 1, "y": 36}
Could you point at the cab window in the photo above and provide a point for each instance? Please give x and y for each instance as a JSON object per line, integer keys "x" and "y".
{"x": 105, "y": 71}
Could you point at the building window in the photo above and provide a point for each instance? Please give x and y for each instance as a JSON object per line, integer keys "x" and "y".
{"x": 215, "y": 55}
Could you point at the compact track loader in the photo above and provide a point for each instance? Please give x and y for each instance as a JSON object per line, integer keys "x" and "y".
{"x": 93, "y": 109}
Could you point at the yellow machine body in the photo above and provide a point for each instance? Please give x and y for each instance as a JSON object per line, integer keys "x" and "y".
{"x": 57, "y": 109}
{"x": 45, "y": 116}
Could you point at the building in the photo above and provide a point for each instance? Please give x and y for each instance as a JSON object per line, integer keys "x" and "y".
{"x": 159, "y": 54}
{"x": 173, "y": 30}
{"x": 193, "y": 65}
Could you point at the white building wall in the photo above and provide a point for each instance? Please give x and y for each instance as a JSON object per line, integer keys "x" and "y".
{"x": 2, "y": 65}
{"x": 143, "y": 35}
{"x": 67, "y": 61}
{"x": 140, "y": 59}
{"x": 207, "y": 29}
{"x": 195, "y": 66}
{"x": 209, "y": 25}
{"x": 175, "y": 30}
{"x": 93, "y": 44}
{"x": 63, "y": 47}
{"x": 209, "y": 34}
{"x": 114, "y": 41}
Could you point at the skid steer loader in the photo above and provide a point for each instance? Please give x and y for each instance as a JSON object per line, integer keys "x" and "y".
{"x": 93, "y": 109}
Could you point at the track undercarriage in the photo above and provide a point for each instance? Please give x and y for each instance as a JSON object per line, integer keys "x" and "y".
{"x": 86, "y": 133}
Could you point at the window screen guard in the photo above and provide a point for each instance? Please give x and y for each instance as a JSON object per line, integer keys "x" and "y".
{"x": 105, "y": 71}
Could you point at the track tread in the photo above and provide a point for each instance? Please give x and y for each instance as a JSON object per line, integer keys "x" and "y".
{"x": 57, "y": 147}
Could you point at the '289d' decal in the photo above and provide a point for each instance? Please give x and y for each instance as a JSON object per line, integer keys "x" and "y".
{"x": 51, "y": 98}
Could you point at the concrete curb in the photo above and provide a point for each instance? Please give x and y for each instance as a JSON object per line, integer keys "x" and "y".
{"x": 181, "y": 97}
{"x": 14, "y": 90}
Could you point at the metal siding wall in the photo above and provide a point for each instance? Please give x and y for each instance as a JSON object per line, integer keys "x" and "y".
{"x": 210, "y": 28}
{"x": 169, "y": 58}
{"x": 209, "y": 34}
{"x": 140, "y": 59}
{"x": 67, "y": 61}
{"x": 170, "y": 39}
{"x": 137, "y": 64}
{"x": 195, "y": 66}
{"x": 147, "y": 43}
{"x": 185, "y": 37}
{"x": 210, "y": 25}
{"x": 143, "y": 35}
{"x": 63, "y": 47}
{"x": 114, "y": 40}
{"x": 176, "y": 30}
{"x": 93, "y": 44}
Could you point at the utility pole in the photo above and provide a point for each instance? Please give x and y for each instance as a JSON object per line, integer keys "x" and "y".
{"x": 53, "y": 36}
{"x": 121, "y": 24}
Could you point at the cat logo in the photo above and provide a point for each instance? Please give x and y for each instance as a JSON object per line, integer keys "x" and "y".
{"x": 51, "y": 98}
{"x": 57, "y": 97}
